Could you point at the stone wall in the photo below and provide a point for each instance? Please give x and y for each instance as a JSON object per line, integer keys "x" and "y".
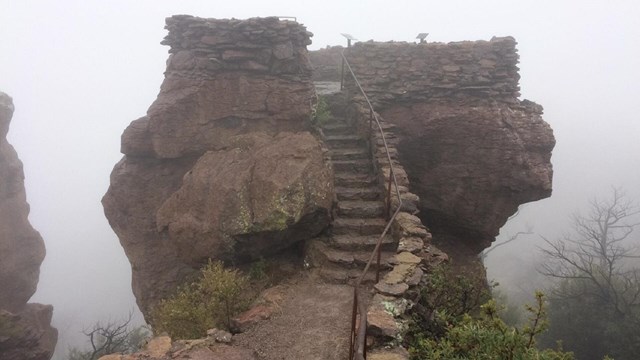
{"x": 326, "y": 63}
{"x": 395, "y": 72}
{"x": 222, "y": 166}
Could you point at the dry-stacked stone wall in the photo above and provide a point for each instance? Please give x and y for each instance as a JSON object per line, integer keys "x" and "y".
{"x": 326, "y": 63}
{"x": 264, "y": 45}
{"x": 397, "y": 71}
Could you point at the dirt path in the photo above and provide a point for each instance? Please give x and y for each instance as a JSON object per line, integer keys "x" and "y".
{"x": 312, "y": 324}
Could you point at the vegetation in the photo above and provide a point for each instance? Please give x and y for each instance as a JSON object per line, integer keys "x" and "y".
{"x": 449, "y": 322}
{"x": 321, "y": 113}
{"x": 109, "y": 338}
{"x": 488, "y": 337}
{"x": 595, "y": 300}
{"x": 211, "y": 301}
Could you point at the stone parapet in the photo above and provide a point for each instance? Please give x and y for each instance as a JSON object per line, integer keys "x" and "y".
{"x": 264, "y": 45}
{"x": 395, "y": 72}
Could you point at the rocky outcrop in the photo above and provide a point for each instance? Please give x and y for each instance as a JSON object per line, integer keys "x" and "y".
{"x": 222, "y": 166}
{"x": 472, "y": 150}
{"x": 25, "y": 331}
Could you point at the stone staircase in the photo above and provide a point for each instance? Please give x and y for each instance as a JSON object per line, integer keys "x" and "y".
{"x": 358, "y": 212}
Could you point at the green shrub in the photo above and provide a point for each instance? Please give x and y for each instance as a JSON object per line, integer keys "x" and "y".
{"x": 488, "y": 337}
{"x": 321, "y": 113}
{"x": 211, "y": 301}
{"x": 443, "y": 298}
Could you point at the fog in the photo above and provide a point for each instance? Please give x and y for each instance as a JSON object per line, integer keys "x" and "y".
{"x": 80, "y": 71}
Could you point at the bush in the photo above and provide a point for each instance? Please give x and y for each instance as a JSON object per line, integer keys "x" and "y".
{"x": 488, "y": 337}
{"x": 321, "y": 113}
{"x": 208, "y": 302}
{"x": 445, "y": 296}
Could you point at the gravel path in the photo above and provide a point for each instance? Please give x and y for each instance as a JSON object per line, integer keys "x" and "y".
{"x": 313, "y": 324}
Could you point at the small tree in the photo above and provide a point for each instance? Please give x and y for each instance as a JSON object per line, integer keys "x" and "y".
{"x": 109, "y": 338}
{"x": 595, "y": 302}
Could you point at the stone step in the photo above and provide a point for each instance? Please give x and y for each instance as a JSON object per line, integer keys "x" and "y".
{"x": 342, "y": 141}
{"x": 337, "y": 128}
{"x": 336, "y": 274}
{"x": 321, "y": 254}
{"x": 358, "y": 193}
{"x": 350, "y": 226}
{"x": 360, "y": 208}
{"x": 354, "y": 180}
{"x": 355, "y": 242}
{"x": 349, "y": 153}
{"x": 361, "y": 166}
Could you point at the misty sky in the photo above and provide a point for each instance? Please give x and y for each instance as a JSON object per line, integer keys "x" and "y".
{"x": 80, "y": 71}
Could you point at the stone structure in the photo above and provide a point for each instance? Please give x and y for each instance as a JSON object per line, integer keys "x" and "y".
{"x": 326, "y": 63}
{"x": 473, "y": 151}
{"x": 25, "y": 331}
{"x": 222, "y": 166}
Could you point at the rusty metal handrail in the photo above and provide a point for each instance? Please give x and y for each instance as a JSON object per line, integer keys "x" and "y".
{"x": 357, "y": 346}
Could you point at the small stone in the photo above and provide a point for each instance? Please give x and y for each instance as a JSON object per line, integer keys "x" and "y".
{"x": 391, "y": 289}
{"x": 404, "y": 257}
{"x": 218, "y": 335}
{"x": 410, "y": 244}
{"x": 415, "y": 277}
{"x": 408, "y": 225}
{"x": 399, "y": 274}
{"x": 158, "y": 346}
{"x": 381, "y": 323}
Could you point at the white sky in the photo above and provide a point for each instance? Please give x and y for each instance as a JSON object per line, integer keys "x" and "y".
{"x": 80, "y": 71}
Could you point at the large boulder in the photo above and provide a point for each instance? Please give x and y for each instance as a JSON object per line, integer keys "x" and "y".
{"x": 473, "y": 164}
{"x": 223, "y": 165}
{"x": 25, "y": 331}
{"x": 255, "y": 199}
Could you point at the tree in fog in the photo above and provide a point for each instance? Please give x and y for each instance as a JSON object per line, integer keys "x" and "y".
{"x": 109, "y": 338}
{"x": 595, "y": 300}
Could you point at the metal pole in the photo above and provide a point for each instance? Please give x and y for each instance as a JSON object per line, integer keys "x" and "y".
{"x": 342, "y": 76}
{"x": 352, "y": 338}
{"x": 388, "y": 210}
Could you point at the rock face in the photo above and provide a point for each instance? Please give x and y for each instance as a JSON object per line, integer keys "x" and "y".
{"x": 25, "y": 332}
{"x": 472, "y": 150}
{"x": 222, "y": 166}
